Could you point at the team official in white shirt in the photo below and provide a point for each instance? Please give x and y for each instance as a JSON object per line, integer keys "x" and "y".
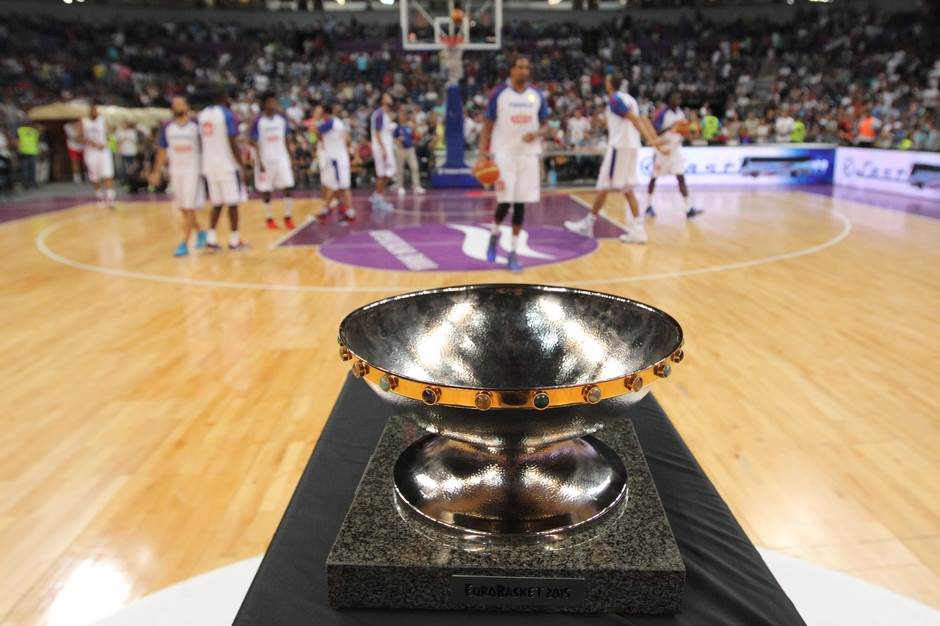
{"x": 99, "y": 162}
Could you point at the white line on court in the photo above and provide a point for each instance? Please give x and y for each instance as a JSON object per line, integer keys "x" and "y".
{"x": 45, "y": 233}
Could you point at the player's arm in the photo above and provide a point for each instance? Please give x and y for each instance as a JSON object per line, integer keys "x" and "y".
{"x": 543, "y": 122}
{"x": 647, "y": 132}
{"x": 160, "y": 160}
{"x": 485, "y": 135}
{"x": 253, "y": 137}
{"x": 231, "y": 127}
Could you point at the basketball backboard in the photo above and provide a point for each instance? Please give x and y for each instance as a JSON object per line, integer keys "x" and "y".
{"x": 429, "y": 24}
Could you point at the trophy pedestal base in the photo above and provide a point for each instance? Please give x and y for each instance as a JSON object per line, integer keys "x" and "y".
{"x": 383, "y": 557}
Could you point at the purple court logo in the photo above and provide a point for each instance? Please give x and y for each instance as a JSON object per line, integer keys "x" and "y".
{"x": 453, "y": 247}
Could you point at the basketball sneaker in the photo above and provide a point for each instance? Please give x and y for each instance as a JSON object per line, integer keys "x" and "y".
{"x": 270, "y": 223}
{"x": 583, "y": 227}
{"x": 213, "y": 247}
{"x": 322, "y": 215}
{"x": 201, "y": 239}
{"x": 418, "y": 189}
{"x": 401, "y": 191}
{"x": 650, "y": 211}
{"x": 241, "y": 246}
{"x": 289, "y": 223}
{"x": 181, "y": 250}
{"x": 491, "y": 249}
{"x": 513, "y": 262}
{"x": 347, "y": 216}
{"x": 692, "y": 212}
{"x": 637, "y": 234}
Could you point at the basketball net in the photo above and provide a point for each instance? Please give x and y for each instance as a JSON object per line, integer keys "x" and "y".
{"x": 453, "y": 58}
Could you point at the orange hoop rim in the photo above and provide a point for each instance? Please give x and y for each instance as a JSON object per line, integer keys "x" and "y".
{"x": 452, "y": 41}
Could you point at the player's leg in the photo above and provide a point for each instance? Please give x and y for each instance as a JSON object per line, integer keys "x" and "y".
{"x": 212, "y": 242}
{"x": 415, "y": 171}
{"x": 505, "y": 187}
{"x": 528, "y": 190}
{"x": 518, "y": 216}
{"x": 107, "y": 173}
{"x": 585, "y": 226}
{"x": 626, "y": 178}
{"x": 690, "y": 211}
{"x": 649, "y": 197}
{"x": 268, "y": 211}
{"x": 343, "y": 182}
{"x": 400, "y": 166}
{"x": 285, "y": 182}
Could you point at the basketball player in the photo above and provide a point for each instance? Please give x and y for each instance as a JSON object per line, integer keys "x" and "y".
{"x": 383, "y": 151}
{"x": 99, "y": 162}
{"x": 273, "y": 168}
{"x": 179, "y": 144}
{"x": 668, "y": 121}
{"x": 335, "y": 172}
{"x": 625, "y": 126}
{"x": 222, "y": 168}
{"x": 513, "y": 127}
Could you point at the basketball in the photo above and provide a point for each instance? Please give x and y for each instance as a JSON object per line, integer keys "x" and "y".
{"x": 486, "y": 171}
{"x": 682, "y": 127}
{"x": 457, "y": 15}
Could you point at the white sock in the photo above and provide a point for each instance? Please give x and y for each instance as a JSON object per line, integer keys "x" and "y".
{"x": 233, "y": 238}
{"x": 688, "y": 201}
{"x": 210, "y": 236}
{"x": 515, "y": 242}
{"x": 590, "y": 219}
{"x": 288, "y": 206}
{"x": 494, "y": 229}
{"x": 109, "y": 193}
{"x": 267, "y": 209}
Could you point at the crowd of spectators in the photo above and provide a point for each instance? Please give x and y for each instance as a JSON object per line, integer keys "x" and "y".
{"x": 837, "y": 76}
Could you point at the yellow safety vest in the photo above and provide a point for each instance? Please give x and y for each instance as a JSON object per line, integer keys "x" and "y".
{"x": 798, "y": 134}
{"x": 710, "y": 127}
{"x": 28, "y": 138}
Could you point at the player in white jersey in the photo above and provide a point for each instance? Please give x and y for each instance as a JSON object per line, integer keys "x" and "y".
{"x": 273, "y": 166}
{"x": 618, "y": 172}
{"x": 335, "y": 174}
{"x": 222, "y": 168}
{"x": 513, "y": 127}
{"x": 180, "y": 145}
{"x": 668, "y": 122}
{"x": 382, "y": 128}
{"x": 99, "y": 162}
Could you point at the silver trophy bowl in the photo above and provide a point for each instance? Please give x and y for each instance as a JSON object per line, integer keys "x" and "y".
{"x": 510, "y": 381}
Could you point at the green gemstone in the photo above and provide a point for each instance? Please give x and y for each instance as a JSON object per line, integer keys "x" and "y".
{"x": 385, "y": 383}
{"x": 667, "y": 370}
{"x": 540, "y": 400}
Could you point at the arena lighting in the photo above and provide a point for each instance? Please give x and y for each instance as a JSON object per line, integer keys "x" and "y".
{"x": 341, "y": 3}
{"x": 387, "y": 2}
{"x": 553, "y": 2}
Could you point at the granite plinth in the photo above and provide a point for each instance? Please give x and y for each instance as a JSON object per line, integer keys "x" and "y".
{"x": 626, "y": 563}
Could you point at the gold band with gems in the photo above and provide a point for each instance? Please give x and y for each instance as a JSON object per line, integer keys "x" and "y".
{"x": 484, "y": 399}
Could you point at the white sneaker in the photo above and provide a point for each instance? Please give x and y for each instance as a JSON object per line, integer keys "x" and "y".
{"x": 582, "y": 227}
{"x": 634, "y": 235}
{"x": 419, "y": 189}
{"x": 401, "y": 191}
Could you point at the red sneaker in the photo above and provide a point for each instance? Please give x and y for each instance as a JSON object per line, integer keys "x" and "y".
{"x": 270, "y": 223}
{"x": 289, "y": 223}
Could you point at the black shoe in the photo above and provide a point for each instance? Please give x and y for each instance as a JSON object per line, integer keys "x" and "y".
{"x": 693, "y": 212}
{"x": 650, "y": 212}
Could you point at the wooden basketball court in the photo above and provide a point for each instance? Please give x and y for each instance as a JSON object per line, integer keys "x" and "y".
{"x": 158, "y": 411}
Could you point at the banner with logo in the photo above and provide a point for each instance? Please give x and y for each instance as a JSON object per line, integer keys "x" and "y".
{"x": 801, "y": 164}
{"x": 901, "y": 172}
